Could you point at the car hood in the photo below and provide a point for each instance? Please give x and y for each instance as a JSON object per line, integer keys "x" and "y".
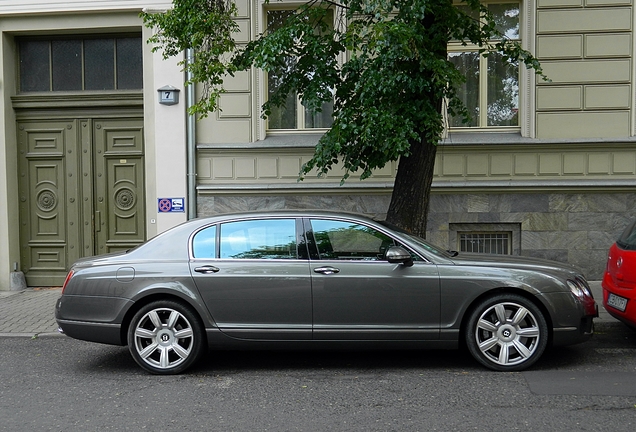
{"x": 516, "y": 262}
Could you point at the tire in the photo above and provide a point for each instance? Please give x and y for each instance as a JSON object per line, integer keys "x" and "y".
{"x": 506, "y": 332}
{"x": 165, "y": 337}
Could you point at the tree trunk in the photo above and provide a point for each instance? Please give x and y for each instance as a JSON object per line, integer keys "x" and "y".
{"x": 411, "y": 192}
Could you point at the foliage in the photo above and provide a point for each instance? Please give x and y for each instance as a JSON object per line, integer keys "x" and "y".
{"x": 207, "y": 26}
{"x": 384, "y": 64}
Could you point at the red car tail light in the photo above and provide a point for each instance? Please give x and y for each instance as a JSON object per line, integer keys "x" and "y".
{"x": 68, "y": 278}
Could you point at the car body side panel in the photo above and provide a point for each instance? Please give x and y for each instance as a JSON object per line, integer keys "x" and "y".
{"x": 258, "y": 299}
{"x": 462, "y": 285}
{"x": 97, "y": 293}
{"x": 375, "y": 300}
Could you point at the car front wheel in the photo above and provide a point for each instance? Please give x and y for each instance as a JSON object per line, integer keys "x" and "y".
{"x": 507, "y": 333}
{"x": 165, "y": 337}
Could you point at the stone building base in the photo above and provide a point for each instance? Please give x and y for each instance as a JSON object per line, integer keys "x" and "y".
{"x": 575, "y": 228}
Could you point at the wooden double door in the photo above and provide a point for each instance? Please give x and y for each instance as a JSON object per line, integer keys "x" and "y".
{"x": 81, "y": 191}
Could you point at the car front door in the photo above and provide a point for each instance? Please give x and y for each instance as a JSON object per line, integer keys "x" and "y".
{"x": 253, "y": 278}
{"x": 357, "y": 295}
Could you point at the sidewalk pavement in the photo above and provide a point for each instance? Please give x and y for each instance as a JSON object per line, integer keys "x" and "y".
{"x": 31, "y": 312}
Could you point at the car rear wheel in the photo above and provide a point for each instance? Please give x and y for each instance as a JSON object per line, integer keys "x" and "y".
{"x": 507, "y": 332}
{"x": 165, "y": 337}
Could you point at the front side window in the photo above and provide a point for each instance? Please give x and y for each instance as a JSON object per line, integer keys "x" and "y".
{"x": 292, "y": 115}
{"x": 491, "y": 90}
{"x": 79, "y": 64}
{"x": 349, "y": 241}
{"x": 259, "y": 239}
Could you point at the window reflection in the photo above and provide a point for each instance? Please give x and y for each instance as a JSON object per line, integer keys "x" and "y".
{"x": 348, "y": 241}
{"x": 204, "y": 243}
{"x": 259, "y": 239}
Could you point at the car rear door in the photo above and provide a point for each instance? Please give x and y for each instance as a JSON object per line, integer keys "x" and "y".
{"x": 357, "y": 295}
{"x": 253, "y": 279}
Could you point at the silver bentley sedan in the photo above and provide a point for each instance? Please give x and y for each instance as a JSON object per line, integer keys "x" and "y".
{"x": 301, "y": 279}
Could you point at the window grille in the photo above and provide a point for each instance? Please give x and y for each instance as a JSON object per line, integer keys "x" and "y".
{"x": 493, "y": 243}
{"x": 79, "y": 64}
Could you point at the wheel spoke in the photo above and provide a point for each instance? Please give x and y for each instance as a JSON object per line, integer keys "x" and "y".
{"x": 165, "y": 358}
{"x": 174, "y": 316}
{"x": 522, "y": 349}
{"x": 486, "y": 325}
{"x": 180, "y": 351}
{"x": 519, "y": 316}
{"x": 144, "y": 333}
{"x": 531, "y": 332}
{"x": 146, "y": 352}
{"x": 500, "y": 310}
{"x": 182, "y": 334}
{"x": 504, "y": 353}
{"x": 488, "y": 344}
{"x": 154, "y": 317}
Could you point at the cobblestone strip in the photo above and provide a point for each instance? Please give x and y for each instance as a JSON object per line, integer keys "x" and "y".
{"x": 31, "y": 311}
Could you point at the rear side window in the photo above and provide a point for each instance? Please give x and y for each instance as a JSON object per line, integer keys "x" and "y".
{"x": 259, "y": 239}
{"x": 204, "y": 243}
{"x": 627, "y": 240}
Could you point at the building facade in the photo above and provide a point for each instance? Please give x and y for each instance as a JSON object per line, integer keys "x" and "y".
{"x": 91, "y": 156}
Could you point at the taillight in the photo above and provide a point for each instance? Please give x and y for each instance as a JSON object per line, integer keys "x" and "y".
{"x": 68, "y": 278}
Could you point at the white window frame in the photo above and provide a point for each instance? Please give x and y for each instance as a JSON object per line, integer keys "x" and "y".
{"x": 260, "y": 27}
{"x": 526, "y": 79}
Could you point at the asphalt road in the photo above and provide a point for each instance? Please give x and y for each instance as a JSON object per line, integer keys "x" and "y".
{"x": 60, "y": 384}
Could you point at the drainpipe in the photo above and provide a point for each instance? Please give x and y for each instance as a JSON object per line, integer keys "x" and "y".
{"x": 191, "y": 142}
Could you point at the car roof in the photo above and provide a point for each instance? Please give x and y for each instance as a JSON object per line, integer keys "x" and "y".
{"x": 279, "y": 213}
{"x": 163, "y": 245}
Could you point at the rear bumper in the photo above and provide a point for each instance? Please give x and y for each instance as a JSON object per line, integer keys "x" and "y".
{"x": 628, "y": 316}
{"x": 93, "y": 332}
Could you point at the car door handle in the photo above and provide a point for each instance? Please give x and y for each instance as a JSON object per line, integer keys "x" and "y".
{"x": 326, "y": 270}
{"x": 206, "y": 269}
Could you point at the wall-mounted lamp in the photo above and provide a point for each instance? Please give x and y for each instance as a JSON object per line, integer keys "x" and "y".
{"x": 168, "y": 95}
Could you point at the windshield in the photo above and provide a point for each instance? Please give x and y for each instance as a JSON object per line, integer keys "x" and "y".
{"x": 435, "y": 250}
{"x": 627, "y": 240}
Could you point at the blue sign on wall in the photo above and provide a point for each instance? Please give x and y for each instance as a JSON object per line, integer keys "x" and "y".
{"x": 171, "y": 205}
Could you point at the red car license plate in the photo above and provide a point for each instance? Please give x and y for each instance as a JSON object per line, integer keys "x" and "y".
{"x": 617, "y": 302}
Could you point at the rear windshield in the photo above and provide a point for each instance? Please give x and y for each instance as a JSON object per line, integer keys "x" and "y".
{"x": 627, "y": 240}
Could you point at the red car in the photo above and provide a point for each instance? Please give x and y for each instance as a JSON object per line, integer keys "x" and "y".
{"x": 619, "y": 280}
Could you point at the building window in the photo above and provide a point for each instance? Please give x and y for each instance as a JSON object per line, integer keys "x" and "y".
{"x": 491, "y": 90}
{"x": 76, "y": 64}
{"x": 493, "y": 243}
{"x": 292, "y": 115}
{"x": 494, "y": 238}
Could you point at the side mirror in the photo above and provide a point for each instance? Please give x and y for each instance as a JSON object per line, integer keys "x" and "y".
{"x": 399, "y": 255}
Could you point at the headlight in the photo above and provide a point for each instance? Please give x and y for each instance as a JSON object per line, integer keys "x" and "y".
{"x": 579, "y": 288}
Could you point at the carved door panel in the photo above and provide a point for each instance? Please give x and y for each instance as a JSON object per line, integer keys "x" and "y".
{"x": 49, "y": 194}
{"x": 81, "y": 192}
{"x": 119, "y": 184}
